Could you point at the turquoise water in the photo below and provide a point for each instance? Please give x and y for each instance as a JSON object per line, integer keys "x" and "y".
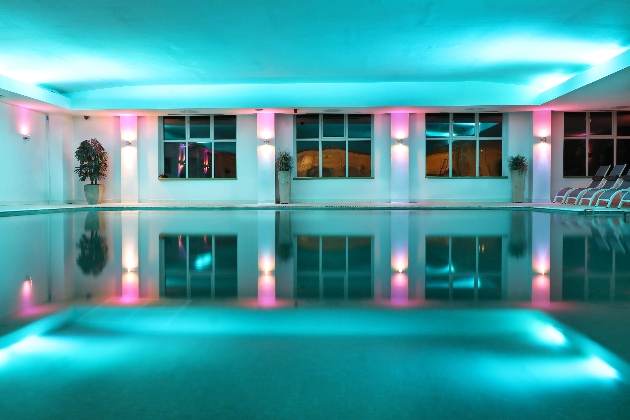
{"x": 314, "y": 314}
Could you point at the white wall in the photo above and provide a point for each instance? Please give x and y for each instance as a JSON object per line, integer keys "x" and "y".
{"x": 24, "y": 176}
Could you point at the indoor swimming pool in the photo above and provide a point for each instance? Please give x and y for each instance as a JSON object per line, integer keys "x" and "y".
{"x": 314, "y": 314}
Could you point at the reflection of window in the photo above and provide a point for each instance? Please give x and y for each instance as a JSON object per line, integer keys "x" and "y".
{"x": 198, "y": 266}
{"x": 466, "y": 268}
{"x": 200, "y": 146}
{"x": 334, "y": 267}
{"x": 333, "y": 145}
{"x": 464, "y": 144}
{"x": 593, "y": 139}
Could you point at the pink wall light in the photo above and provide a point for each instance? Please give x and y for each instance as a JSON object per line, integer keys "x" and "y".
{"x": 400, "y": 125}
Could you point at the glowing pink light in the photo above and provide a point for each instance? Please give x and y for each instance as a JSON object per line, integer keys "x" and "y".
{"x": 541, "y": 290}
{"x": 400, "y": 289}
{"x": 130, "y": 287}
{"x": 265, "y": 125}
{"x": 400, "y": 125}
{"x": 128, "y": 127}
{"x": 181, "y": 160}
{"x": 267, "y": 290}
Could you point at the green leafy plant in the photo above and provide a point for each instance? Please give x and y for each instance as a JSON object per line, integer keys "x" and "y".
{"x": 517, "y": 163}
{"x": 284, "y": 161}
{"x": 92, "y": 161}
{"x": 93, "y": 256}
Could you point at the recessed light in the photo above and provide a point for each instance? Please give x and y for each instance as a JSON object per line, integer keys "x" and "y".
{"x": 332, "y": 110}
{"x": 189, "y": 111}
{"x": 473, "y": 109}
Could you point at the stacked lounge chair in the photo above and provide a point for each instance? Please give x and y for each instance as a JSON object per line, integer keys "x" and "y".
{"x": 612, "y": 183}
{"x": 577, "y": 193}
{"x": 596, "y": 182}
{"x": 610, "y": 195}
{"x": 624, "y": 199}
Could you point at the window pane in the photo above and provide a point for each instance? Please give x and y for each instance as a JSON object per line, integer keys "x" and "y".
{"x": 490, "y": 256}
{"x": 601, "y": 123}
{"x": 225, "y": 159}
{"x": 623, "y": 151}
{"x": 200, "y": 160}
{"x": 225, "y": 127}
{"x": 360, "y": 126}
{"x": 437, "y": 125}
{"x": 307, "y": 126}
{"x": 438, "y": 267}
{"x": 623, "y": 123}
{"x": 359, "y": 158}
{"x": 437, "y": 158}
{"x": 334, "y": 266}
{"x": 333, "y": 159}
{"x": 200, "y": 127}
{"x": 463, "y": 124}
{"x": 360, "y": 267}
{"x": 307, "y": 158}
{"x": 175, "y": 284}
{"x": 575, "y": 124}
{"x": 490, "y": 158}
{"x": 574, "y": 157}
{"x": 200, "y": 266}
{"x": 174, "y": 128}
{"x": 464, "y": 157}
{"x": 175, "y": 160}
{"x": 332, "y": 125}
{"x": 491, "y": 125}
{"x": 226, "y": 271}
{"x": 600, "y": 152}
{"x": 307, "y": 267}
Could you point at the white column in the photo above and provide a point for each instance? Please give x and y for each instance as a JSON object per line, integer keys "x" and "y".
{"x": 130, "y": 279}
{"x": 129, "y": 159}
{"x": 541, "y": 259}
{"x": 399, "y": 189}
{"x": 400, "y": 257}
{"x": 265, "y": 128}
{"x": 541, "y": 165}
{"x": 266, "y": 258}
{"x": 61, "y": 158}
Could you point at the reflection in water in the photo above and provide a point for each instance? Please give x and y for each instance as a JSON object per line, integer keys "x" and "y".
{"x": 93, "y": 246}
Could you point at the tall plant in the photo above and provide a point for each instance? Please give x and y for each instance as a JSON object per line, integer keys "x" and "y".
{"x": 517, "y": 163}
{"x": 92, "y": 161}
{"x": 284, "y": 161}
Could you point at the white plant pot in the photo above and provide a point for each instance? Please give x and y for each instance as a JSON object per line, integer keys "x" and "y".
{"x": 284, "y": 186}
{"x": 94, "y": 193}
{"x": 518, "y": 186}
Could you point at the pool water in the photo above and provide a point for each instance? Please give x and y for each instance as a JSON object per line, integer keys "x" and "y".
{"x": 314, "y": 314}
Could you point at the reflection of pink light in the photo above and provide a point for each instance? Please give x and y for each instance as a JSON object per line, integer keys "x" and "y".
{"x": 26, "y": 295}
{"x": 130, "y": 287}
{"x": 205, "y": 162}
{"x": 267, "y": 290}
{"x": 541, "y": 295}
{"x": 181, "y": 158}
{"x": 540, "y": 261}
{"x": 400, "y": 289}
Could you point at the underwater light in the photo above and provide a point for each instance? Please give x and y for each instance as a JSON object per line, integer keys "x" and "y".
{"x": 597, "y": 367}
{"x": 203, "y": 261}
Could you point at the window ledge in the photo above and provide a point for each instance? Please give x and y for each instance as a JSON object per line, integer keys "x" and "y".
{"x": 321, "y": 178}
{"x": 466, "y": 177}
{"x": 578, "y": 177}
{"x": 197, "y": 179}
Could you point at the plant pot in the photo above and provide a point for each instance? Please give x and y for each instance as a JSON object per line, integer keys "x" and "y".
{"x": 94, "y": 193}
{"x": 518, "y": 186}
{"x": 284, "y": 186}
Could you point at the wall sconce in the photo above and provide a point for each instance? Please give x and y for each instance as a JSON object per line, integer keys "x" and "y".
{"x": 26, "y": 137}
{"x": 128, "y": 143}
{"x": 543, "y": 139}
{"x": 400, "y": 141}
{"x": 266, "y": 142}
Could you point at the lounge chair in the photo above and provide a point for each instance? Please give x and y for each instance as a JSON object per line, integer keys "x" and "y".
{"x": 596, "y": 181}
{"x": 577, "y": 193}
{"x": 610, "y": 195}
{"x": 624, "y": 199}
{"x": 612, "y": 183}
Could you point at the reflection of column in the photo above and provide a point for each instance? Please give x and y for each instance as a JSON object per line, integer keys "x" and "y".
{"x": 265, "y": 127}
{"x": 130, "y": 279}
{"x": 266, "y": 258}
{"x": 541, "y": 165}
{"x": 400, "y": 158}
{"x": 400, "y": 257}
{"x": 541, "y": 258}
{"x": 129, "y": 159}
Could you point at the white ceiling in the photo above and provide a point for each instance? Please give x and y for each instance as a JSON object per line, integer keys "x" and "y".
{"x": 518, "y": 48}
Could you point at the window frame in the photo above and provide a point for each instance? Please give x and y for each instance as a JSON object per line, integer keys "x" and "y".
{"x": 321, "y": 139}
{"x": 477, "y": 138}
{"x": 187, "y": 140}
{"x": 588, "y": 136}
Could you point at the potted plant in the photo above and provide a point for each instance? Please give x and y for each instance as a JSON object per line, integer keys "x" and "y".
{"x": 284, "y": 166}
{"x": 93, "y": 248}
{"x": 93, "y": 165}
{"x": 517, "y": 166}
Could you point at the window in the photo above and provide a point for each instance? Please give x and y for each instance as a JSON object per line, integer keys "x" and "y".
{"x": 199, "y": 266}
{"x": 466, "y": 268}
{"x": 199, "y": 147}
{"x": 334, "y": 267}
{"x": 593, "y": 139}
{"x": 333, "y": 145}
{"x": 464, "y": 144}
